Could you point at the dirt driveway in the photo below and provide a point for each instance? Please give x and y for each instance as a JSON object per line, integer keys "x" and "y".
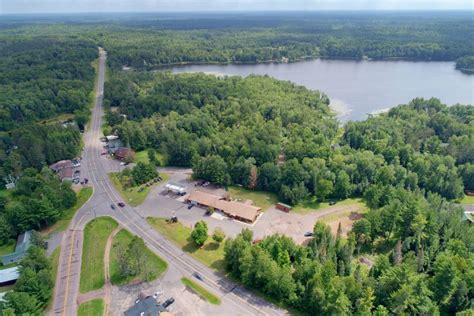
{"x": 294, "y": 225}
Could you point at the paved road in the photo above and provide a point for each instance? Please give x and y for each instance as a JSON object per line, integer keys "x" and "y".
{"x": 235, "y": 299}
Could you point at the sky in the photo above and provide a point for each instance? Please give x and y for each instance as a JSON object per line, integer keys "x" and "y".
{"x": 77, "y": 6}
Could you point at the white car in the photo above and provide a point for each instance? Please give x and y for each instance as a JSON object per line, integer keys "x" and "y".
{"x": 122, "y": 163}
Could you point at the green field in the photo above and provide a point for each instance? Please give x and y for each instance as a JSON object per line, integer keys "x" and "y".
{"x": 468, "y": 199}
{"x": 61, "y": 225}
{"x": 156, "y": 264}
{"x": 92, "y": 308}
{"x": 142, "y": 156}
{"x": 260, "y": 198}
{"x": 201, "y": 291}
{"x": 211, "y": 254}
{"x": 132, "y": 196}
{"x": 8, "y": 247}
{"x": 95, "y": 238}
{"x": 313, "y": 204}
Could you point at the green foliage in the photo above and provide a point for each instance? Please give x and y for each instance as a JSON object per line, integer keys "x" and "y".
{"x": 218, "y": 235}
{"x": 142, "y": 173}
{"x": 38, "y": 200}
{"x": 33, "y": 289}
{"x": 429, "y": 277}
{"x": 465, "y": 64}
{"x": 199, "y": 233}
{"x": 132, "y": 260}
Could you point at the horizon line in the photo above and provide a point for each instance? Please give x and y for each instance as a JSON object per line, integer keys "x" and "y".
{"x": 239, "y": 11}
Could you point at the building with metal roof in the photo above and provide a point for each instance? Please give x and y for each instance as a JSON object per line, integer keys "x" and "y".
{"x": 238, "y": 210}
{"x": 9, "y": 275}
{"x": 22, "y": 245}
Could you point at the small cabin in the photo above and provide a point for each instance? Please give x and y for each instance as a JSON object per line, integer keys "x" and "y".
{"x": 283, "y": 207}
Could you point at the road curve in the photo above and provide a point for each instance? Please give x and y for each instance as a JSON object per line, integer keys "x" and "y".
{"x": 233, "y": 296}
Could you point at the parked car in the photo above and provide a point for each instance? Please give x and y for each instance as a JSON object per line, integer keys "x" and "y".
{"x": 197, "y": 276}
{"x": 168, "y": 302}
{"x": 155, "y": 296}
{"x": 122, "y": 163}
{"x": 205, "y": 184}
{"x": 308, "y": 234}
{"x": 121, "y": 204}
{"x": 112, "y": 206}
{"x": 190, "y": 206}
{"x": 332, "y": 202}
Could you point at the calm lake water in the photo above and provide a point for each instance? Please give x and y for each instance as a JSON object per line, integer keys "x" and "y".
{"x": 358, "y": 88}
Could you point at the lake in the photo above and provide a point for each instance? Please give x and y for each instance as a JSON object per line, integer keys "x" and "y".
{"x": 358, "y": 88}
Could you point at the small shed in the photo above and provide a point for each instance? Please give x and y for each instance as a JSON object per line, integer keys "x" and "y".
{"x": 22, "y": 245}
{"x": 283, "y": 207}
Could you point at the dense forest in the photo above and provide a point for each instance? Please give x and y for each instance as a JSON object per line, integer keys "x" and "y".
{"x": 410, "y": 165}
{"x": 465, "y": 64}
{"x": 411, "y": 254}
{"x": 43, "y": 82}
{"x": 150, "y": 40}
{"x": 225, "y": 127}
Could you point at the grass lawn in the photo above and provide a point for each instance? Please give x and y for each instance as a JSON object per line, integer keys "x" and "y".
{"x": 211, "y": 254}
{"x": 95, "y": 238}
{"x": 132, "y": 196}
{"x": 156, "y": 264}
{"x": 142, "y": 156}
{"x": 201, "y": 291}
{"x": 260, "y": 198}
{"x": 61, "y": 225}
{"x": 7, "y": 288}
{"x": 313, "y": 204}
{"x": 92, "y": 308}
{"x": 55, "y": 262}
{"x": 468, "y": 199}
{"x": 8, "y": 247}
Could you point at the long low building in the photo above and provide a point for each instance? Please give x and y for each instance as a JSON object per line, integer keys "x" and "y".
{"x": 238, "y": 210}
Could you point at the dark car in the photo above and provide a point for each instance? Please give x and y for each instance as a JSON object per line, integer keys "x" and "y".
{"x": 197, "y": 276}
{"x": 190, "y": 206}
{"x": 332, "y": 202}
{"x": 308, "y": 234}
{"x": 121, "y": 204}
{"x": 168, "y": 302}
{"x": 112, "y": 206}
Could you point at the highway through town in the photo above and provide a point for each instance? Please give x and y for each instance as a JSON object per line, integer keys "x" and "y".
{"x": 235, "y": 299}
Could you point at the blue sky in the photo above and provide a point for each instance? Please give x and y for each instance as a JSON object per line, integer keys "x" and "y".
{"x": 74, "y": 6}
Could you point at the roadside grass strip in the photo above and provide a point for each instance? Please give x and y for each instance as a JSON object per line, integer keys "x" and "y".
{"x": 211, "y": 254}
{"x": 201, "y": 291}
{"x": 156, "y": 265}
{"x": 92, "y": 308}
{"x": 95, "y": 239}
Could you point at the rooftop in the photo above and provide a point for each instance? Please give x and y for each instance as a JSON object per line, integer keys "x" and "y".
{"x": 232, "y": 208}
{"x": 147, "y": 307}
{"x": 8, "y": 275}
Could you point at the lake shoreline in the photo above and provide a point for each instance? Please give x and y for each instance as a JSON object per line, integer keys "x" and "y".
{"x": 359, "y": 88}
